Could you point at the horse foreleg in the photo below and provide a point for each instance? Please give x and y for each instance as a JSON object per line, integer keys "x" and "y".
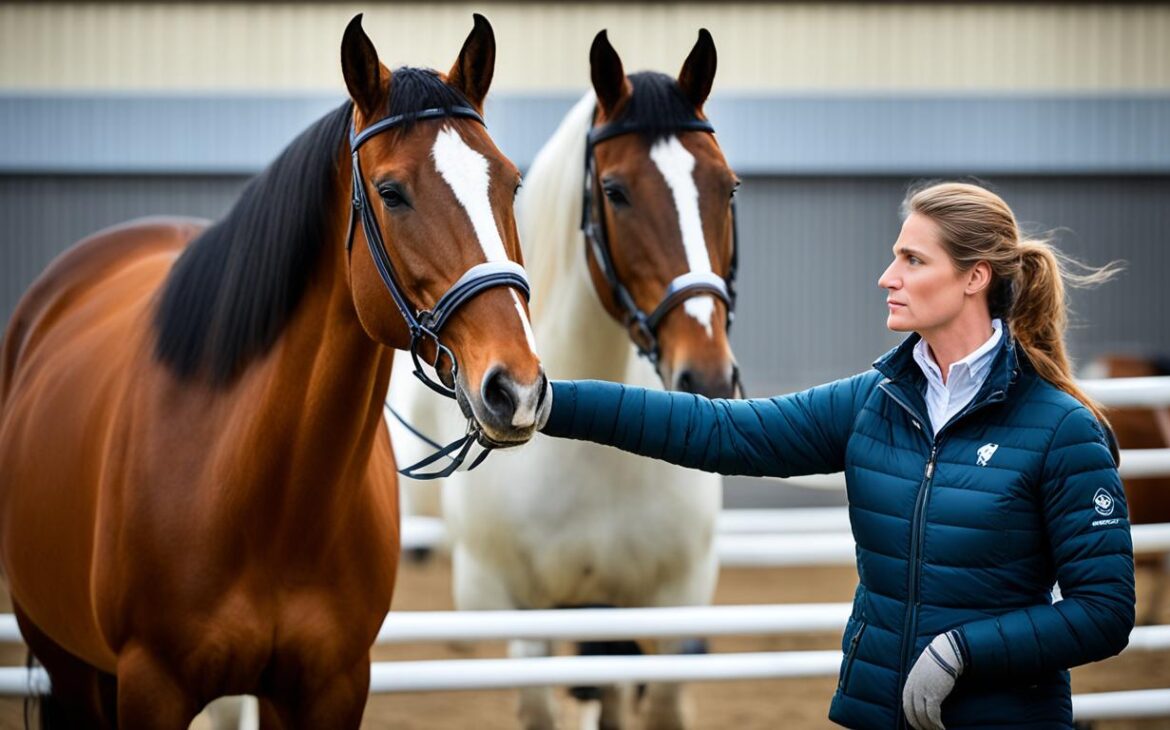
{"x": 150, "y": 695}
{"x": 81, "y": 695}
{"x": 330, "y": 700}
{"x": 537, "y": 711}
{"x": 235, "y": 712}
{"x": 665, "y": 705}
{"x": 614, "y": 701}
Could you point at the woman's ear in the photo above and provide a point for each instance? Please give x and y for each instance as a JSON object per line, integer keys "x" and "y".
{"x": 978, "y": 278}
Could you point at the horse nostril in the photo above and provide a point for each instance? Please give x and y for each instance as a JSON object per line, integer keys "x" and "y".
{"x": 710, "y": 385}
{"x": 498, "y": 396}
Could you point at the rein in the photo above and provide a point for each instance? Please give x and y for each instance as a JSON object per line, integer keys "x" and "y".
{"x": 643, "y": 325}
{"x": 424, "y": 324}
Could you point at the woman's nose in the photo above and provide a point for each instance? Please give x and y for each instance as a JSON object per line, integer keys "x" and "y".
{"x": 887, "y": 280}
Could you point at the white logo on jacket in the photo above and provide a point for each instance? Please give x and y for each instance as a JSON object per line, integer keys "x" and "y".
{"x": 1103, "y": 502}
{"x": 986, "y": 451}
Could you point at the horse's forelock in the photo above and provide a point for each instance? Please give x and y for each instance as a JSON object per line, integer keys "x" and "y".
{"x": 414, "y": 89}
{"x": 657, "y": 105}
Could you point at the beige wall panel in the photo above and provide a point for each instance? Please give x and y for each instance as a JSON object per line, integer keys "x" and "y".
{"x": 545, "y": 46}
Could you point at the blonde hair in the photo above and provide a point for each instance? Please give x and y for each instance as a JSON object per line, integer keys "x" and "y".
{"x": 1029, "y": 275}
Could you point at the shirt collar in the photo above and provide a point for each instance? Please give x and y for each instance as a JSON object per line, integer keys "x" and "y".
{"x": 976, "y": 363}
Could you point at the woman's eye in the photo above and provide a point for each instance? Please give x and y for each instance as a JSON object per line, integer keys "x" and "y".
{"x": 914, "y": 260}
{"x": 391, "y": 197}
{"x": 616, "y": 196}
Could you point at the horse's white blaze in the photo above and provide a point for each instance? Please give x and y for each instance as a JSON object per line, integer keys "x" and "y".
{"x": 524, "y": 319}
{"x": 466, "y": 171}
{"x": 702, "y": 310}
{"x": 677, "y": 166}
{"x": 525, "y": 413}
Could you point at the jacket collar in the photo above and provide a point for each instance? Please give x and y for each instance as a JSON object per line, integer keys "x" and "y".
{"x": 899, "y": 367}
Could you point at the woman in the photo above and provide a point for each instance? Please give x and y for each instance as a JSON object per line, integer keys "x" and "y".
{"x": 978, "y": 476}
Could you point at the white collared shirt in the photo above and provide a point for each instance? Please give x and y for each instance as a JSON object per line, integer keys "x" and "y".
{"x": 966, "y": 376}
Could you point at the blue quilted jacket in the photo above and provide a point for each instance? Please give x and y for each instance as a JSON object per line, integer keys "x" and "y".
{"x": 967, "y": 529}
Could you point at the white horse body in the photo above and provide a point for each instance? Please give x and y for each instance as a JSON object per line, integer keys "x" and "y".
{"x": 563, "y": 523}
{"x": 559, "y": 522}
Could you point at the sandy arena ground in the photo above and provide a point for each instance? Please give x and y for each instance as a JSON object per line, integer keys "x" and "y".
{"x": 752, "y": 705}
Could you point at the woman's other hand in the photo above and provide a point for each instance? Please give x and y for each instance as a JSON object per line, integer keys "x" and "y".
{"x": 930, "y": 681}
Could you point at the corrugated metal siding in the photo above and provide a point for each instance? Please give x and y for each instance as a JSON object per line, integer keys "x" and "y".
{"x": 761, "y": 134}
{"x": 545, "y": 45}
{"x": 44, "y": 215}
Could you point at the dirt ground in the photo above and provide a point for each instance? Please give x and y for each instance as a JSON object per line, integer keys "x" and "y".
{"x": 742, "y": 705}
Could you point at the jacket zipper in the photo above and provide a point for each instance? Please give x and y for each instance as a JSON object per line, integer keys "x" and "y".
{"x": 851, "y": 657}
{"x": 917, "y": 531}
{"x": 915, "y": 539}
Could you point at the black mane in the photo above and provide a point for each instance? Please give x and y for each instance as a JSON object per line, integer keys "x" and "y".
{"x": 235, "y": 288}
{"x": 657, "y": 105}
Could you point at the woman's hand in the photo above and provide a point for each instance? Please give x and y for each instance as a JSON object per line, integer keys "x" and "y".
{"x": 930, "y": 681}
{"x": 545, "y": 408}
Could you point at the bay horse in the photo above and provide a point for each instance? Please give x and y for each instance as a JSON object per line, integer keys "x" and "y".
{"x": 1148, "y": 499}
{"x": 197, "y": 489}
{"x": 567, "y": 523}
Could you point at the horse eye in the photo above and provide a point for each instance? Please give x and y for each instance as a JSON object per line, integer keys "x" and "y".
{"x": 391, "y": 197}
{"x": 735, "y": 188}
{"x": 616, "y": 195}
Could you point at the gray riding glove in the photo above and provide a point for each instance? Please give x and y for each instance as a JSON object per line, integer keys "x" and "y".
{"x": 930, "y": 681}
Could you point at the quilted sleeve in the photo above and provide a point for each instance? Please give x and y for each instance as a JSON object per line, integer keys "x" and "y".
{"x": 1084, "y": 512}
{"x": 801, "y": 433}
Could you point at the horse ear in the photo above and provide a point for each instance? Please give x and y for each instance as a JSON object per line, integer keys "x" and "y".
{"x": 698, "y": 71}
{"x": 361, "y": 69}
{"x": 472, "y": 72}
{"x": 609, "y": 78}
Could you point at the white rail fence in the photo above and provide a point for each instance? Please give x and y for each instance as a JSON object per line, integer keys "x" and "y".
{"x": 778, "y": 538}
{"x": 581, "y": 624}
{"x": 485, "y": 674}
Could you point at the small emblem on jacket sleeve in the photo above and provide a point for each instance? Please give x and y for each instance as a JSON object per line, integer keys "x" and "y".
{"x": 1103, "y": 502}
{"x": 985, "y": 453}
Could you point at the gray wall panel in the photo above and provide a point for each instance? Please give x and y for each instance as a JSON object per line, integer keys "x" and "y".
{"x": 777, "y": 134}
{"x": 44, "y": 215}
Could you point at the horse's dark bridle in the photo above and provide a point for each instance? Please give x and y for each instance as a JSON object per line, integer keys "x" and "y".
{"x": 426, "y": 324}
{"x": 645, "y": 326}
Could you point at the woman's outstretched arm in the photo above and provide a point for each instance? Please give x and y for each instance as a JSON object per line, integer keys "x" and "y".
{"x": 800, "y": 433}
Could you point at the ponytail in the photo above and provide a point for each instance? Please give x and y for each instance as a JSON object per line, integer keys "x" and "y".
{"x": 1039, "y": 313}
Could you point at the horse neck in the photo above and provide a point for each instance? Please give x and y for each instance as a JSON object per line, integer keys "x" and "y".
{"x": 576, "y": 336}
{"x": 314, "y": 406}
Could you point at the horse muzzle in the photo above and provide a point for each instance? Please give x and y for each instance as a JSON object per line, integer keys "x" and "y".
{"x": 506, "y": 411}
